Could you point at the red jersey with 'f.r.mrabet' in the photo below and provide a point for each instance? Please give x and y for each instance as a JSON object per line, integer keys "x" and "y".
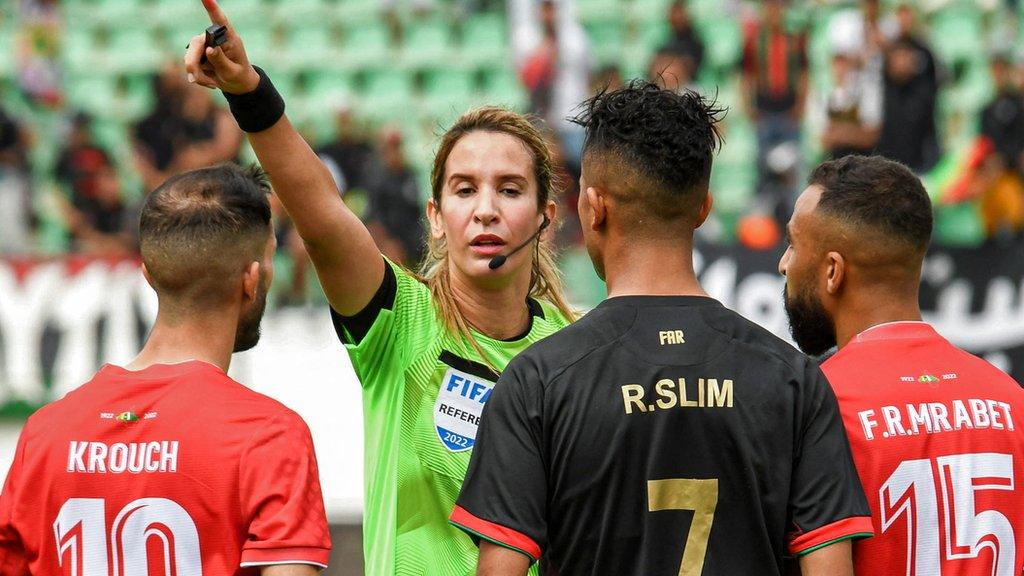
{"x": 938, "y": 438}
{"x": 175, "y": 469}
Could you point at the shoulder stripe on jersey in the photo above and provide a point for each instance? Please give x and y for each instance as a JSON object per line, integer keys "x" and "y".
{"x": 500, "y": 535}
{"x": 291, "y": 555}
{"x": 280, "y": 563}
{"x": 852, "y": 527}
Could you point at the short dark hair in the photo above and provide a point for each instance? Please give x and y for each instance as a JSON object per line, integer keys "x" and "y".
{"x": 877, "y": 193}
{"x": 200, "y": 228}
{"x": 663, "y": 139}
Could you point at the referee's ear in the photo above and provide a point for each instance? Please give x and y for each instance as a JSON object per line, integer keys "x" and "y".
{"x": 836, "y": 266}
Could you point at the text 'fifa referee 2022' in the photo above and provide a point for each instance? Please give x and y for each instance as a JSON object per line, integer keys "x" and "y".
{"x": 662, "y": 434}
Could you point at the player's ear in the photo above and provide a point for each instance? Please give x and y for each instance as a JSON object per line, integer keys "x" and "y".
{"x": 598, "y": 208}
{"x": 836, "y": 266}
{"x": 251, "y": 280}
{"x": 434, "y": 217}
{"x": 705, "y": 209}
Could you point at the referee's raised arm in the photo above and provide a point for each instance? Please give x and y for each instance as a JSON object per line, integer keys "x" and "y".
{"x": 345, "y": 256}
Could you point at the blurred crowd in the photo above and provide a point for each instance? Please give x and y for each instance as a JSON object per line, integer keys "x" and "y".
{"x": 881, "y": 95}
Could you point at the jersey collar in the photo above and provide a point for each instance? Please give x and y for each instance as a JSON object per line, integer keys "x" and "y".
{"x": 161, "y": 371}
{"x": 897, "y": 331}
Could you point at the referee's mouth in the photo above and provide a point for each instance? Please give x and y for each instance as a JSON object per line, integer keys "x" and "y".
{"x": 487, "y": 245}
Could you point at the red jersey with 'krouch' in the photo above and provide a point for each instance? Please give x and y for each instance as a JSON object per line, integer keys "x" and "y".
{"x": 938, "y": 438}
{"x": 174, "y": 470}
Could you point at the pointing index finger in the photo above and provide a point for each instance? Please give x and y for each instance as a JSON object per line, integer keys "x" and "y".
{"x": 217, "y": 15}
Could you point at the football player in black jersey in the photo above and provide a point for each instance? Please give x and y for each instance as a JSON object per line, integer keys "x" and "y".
{"x": 662, "y": 434}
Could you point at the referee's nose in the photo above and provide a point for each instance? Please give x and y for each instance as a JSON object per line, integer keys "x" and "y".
{"x": 485, "y": 210}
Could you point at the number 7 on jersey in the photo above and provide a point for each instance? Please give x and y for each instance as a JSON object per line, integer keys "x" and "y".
{"x": 699, "y": 495}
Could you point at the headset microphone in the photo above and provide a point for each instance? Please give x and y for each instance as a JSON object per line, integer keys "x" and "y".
{"x": 500, "y": 259}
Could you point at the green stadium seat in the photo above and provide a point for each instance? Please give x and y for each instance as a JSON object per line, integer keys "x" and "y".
{"x": 303, "y": 11}
{"x": 179, "y": 34}
{"x": 79, "y": 11}
{"x": 7, "y": 35}
{"x": 311, "y": 46}
{"x": 724, "y": 41}
{"x": 350, "y": 12}
{"x": 109, "y": 12}
{"x": 732, "y": 185}
{"x": 332, "y": 85}
{"x": 93, "y": 94}
{"x": 366, "y": 44}
{"x": 174, "y": 12}
{"x": 652, "y": 34}
{"x": 388, "y": 94}
{"x": 427, "y": 43}
{"x": 607, "y": 39}
{"x": 485, "y": 39}
{"x": 81, "y": 49}
{"x": 261, "y": 45}
{"x": 446, "y": 91}
{"x": 599, "y": 10}
{"x": 958, "y": 34}
{"x": 502, "y": 88}
{"x": 644, "y": 12}
{"x": 133, "y": 50}
{"x": 959, "y": 225}
{"x": 246, "y": 13}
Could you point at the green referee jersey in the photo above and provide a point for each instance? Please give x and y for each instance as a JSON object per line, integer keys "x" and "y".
{"x": 423, "y": 392}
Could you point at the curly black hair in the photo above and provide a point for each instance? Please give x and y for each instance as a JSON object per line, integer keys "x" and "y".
{"x": 665, "y": 138}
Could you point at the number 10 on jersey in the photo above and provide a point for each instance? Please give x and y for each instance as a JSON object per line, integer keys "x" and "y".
{"x": 80, "y": 531}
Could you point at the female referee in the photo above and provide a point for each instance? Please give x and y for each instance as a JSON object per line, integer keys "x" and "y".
{"x": 426, "y": 348}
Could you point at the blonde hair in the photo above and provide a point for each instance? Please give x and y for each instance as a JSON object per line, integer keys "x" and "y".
{"x": 545, "y": 281}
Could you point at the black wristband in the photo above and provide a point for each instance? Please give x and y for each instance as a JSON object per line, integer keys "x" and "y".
{"x": 257, "y": 110}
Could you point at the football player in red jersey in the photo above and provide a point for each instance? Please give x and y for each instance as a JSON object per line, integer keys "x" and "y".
{"x": 167, "y": 465}
{"x": 936, "y": 432}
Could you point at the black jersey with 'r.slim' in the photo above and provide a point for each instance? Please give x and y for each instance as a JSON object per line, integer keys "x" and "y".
{"x": 662, "y": 435}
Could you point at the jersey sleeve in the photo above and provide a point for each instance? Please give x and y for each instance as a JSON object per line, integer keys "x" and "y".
{"x": 504, "y": 494}
{"x": 394, "y": 326}
{"x": 827, "y": 502}
{"x": 281, "y": 498}
{"x": 13, "y": 561}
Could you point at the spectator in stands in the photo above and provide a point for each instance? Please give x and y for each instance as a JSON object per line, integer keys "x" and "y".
{"x": 907, "y": 31}
{"x": 38, "y": 51}
{"x": 553, "y": 55}
{"x": 350, "y": 154}
{"x": 685, "y": 42}
{"x": 100, "y": 223}
{"x": 852, "y": 109}
{"x": 672, "y": 71}
{"x": 16, "y": 209}
{"x": 775, "y": 80}
{"x": 609, "y": 78}
{"x": 909, "y": 133}
{"x": 394, "y": 207}
{"x": 1002, "y": 124}
{"x": 290, "y": 243}
{"x": 567, "y": 231}
{"x": 858, "y": 34}
{"x": 155, "y": 136}
{"x": 209, "y": 135}
{"x": 80, "y": 162}
{"x": 185, "y": 131}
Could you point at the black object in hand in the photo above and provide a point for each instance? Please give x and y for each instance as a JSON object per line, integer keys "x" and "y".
{"x": 216, "y": 35}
